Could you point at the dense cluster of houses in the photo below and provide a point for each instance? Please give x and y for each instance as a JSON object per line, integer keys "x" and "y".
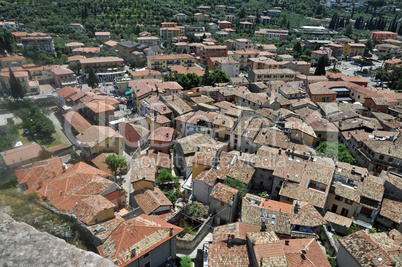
{"x": 260, "y": 129}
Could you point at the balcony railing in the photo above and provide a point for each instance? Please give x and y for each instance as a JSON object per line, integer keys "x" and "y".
{"x": 364, "y": 218}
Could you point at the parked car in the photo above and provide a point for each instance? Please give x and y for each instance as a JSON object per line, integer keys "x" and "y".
{"x": 26, "y": 131}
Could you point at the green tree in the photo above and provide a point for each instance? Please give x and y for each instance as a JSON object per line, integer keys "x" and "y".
{"x": 35, "y": 121}
{"x": 218, "y": 76}
{"x": 242, "y": 191}
{"x": 320, "y": 70}
{"x": 185, "y": 261}
{"x": 8, "y": 139}
{"x": 349, "y": 30}
{"x": 194, "y": 80}
{"x": 6, "y": 41}
{"x": 336, "y": 150}
{"x": 353, "y": 229}
{"x": 93, "y": 81}
{"x": 395, "y": 79}
{"x": 297, "y": 49}
{"x": 205, "y": 77}
{"x": 165, "y": 176}
{"x": 197, "y": 210}
{"x": 115, "y": 163}
{"x": 75, "y": 67}
{"x": 44, "y": 154}
{"x": 17, "y": 92}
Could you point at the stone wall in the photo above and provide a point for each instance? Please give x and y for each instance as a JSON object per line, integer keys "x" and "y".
{"x": 84, "y": 230}
{"x": 132, "y": 213}
{"x": 329, "y": 243}
{"x": 201, "y": 233}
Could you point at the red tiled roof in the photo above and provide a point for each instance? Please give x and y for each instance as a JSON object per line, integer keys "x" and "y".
{"x": 98, "y": 162}
{"x": 67, "y": 91}
{"x": 136, "y": 237}
{"x": 219, "y": 254}
{"x": 98, "y": 106}
{"x": 224, "y": 193}
{"x": 97, "y": 134}
{"x": 21, "y": 154}
{"x": 164, "y": 134}
{"x": 79, "y": 123}
{"x": 12, "y": 58}
{"x": 314, "y": 255}
{"x": 150, "y": 200}
{"x": 39, "y": 172}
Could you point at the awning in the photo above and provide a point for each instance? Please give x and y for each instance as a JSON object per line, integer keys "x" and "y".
{"x": 128, "y": 92}
{"x": 363, "y": 224}
{"x": 344, "y": 99}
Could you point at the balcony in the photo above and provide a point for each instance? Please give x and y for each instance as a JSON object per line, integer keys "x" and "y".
{"x": 302, "y": 231}
{"x": 347, "y": 185}
{"x": 363, "y": 220}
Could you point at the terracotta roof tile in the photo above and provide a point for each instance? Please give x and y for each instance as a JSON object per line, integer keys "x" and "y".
{"x": 219, "y": 254}
{"x": 39, "y": 171}
{"x": 392, "y": 210}
{"x": 163, "y": 134}
{"x": 364, "y": 250}
{"x": 21, "y": 154}
{"x": 242, "y": 172}
{"x": 151, "y": 199}
{"x": 224, "y": 193}
{"x": 95, "y": 135}
{"x": 238, "y": 229}
{"x": 98, "y": 161}
{"x": 136, "y": 237}
{"x": 67, "y": 91}
{"x": 78, "y": 122}
{"x": 177, "y": 104}
{"x": 256, "y": 210}
{"x": 144, "y": 168}
{"x": 314, "y": 255}
{"x": 338, "y": 219}
{"x": 90, "y": 207}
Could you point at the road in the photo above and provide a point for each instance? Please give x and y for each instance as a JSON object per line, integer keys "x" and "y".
{"x": 59, "y": 129}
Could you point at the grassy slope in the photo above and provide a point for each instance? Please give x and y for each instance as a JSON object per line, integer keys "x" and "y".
{"x": 21, "y": 207}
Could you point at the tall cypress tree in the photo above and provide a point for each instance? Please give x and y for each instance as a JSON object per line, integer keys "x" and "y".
{"x": 15, "y": 86}
{"x": 320, "y": 70}
{"x": 92, "y": 79}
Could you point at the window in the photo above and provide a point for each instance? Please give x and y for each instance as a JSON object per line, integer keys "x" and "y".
{"x": 390, "y": 159}
{"x": 348, "y": 201}
{"x": 222, "y": 203}
{"x": 148, "y": 264}
{"x": 146, "y": 255}
{"x": 344, "y": 212}
{"x": 339, "y": 198}
{"x": 381, "y": 156}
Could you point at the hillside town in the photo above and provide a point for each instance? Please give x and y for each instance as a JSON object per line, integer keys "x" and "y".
{"x": 225, "y": 152}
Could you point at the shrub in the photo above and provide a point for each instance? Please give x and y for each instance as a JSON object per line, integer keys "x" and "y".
{"x": 185, "y": 262}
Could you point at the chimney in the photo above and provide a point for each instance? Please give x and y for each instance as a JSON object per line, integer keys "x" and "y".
{"x": 287, "y": 242}
{"x": 263, "y": 226}
{"x": 171, "y": 231}
{"x": 279, "y": 151}
{"x": 229, "y": 240}
{"x": 133, "y": 252}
